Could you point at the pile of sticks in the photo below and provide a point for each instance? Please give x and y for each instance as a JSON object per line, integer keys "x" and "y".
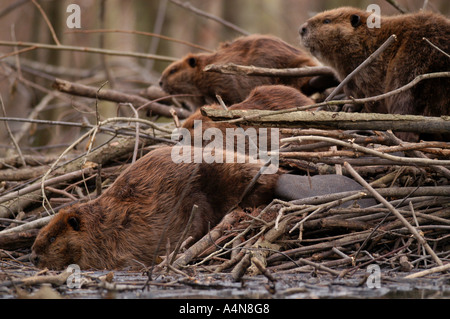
{"x": 408, "y": 230}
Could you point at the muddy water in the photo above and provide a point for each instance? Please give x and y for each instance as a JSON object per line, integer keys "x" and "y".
{"x": 135, "y": 285}
{"x": 287, "y": 286}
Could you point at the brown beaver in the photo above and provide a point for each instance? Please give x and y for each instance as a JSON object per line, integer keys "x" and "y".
{"x": 342, "y": 39}
{"x": 264, "y": 97}
{"x": 187, "y": 76}
{"x": 151, "y": 202}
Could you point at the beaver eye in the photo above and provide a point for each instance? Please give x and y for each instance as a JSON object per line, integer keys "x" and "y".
{"x": 355, "y": 20}
{"x": 51, "y": 239}
{"x": 326, "y": 21}
{"x": 173, "y": 71}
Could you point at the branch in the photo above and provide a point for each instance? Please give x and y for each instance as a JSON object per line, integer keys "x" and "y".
{"x": 188, "y": 6}
{"x": 116, "y": 96}
{"x": 231, "y": 68}
{"x": 332, "y": 120}
{"x": 369, "y": 60}
{"x": 88, "y": 50}
{"x": 424, "y": 161}
{"x": 52, "y": 30}
{"x": 143, "y": 33}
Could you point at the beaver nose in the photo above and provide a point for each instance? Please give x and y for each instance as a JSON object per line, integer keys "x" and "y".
{"x": 34, "y": 258}
{"x": 303, "y": 29}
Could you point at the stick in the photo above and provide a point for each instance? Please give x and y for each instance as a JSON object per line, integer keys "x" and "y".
{"x": 183, "y": 236}
{"x": 16, "y": 145}
{"x": 52, "y": 30}
{"x": 188, "y": 6}
{"x": 381, "y": 199}
{"x": 116, "y": 96}
{"x": 441, "y": 268}
{"x": 88, "y": 50}
{"x": 231, "y": 68}
{"x": 411, "y": 160}
{"x": 369, "y": 60}
{"x": 298, "y": 118}
{"x": 143, "y": 33}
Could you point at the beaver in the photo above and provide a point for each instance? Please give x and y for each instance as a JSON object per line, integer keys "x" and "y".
{"x": 151, "y": 202}
{"x": 186, "y": 76}
{"x": 264, "y": 97}
{"x": 342, "y": 39}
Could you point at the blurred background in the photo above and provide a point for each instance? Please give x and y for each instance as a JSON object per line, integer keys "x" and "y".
{"x": 26, "y": 79}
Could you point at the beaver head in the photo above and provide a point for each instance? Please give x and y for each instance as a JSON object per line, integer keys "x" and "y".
{"x": 58, "y": 243}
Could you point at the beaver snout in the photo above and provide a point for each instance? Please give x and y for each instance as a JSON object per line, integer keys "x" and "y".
{"x": 34, "y": 258}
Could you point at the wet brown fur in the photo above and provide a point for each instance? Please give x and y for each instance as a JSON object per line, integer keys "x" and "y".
{"x": 126, "y": 222}
{"x": 187, "y": 76}
{"x": 333, "y": 39}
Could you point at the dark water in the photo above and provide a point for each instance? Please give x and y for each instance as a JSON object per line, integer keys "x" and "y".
{"x": 134, "y": 285}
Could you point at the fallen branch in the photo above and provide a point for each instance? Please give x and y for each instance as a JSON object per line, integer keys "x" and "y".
{"x": 116, "y": 96}
{"x": 332, "y": 120}
{"x": 433, "y": 270}
{"x": 231, "y": 68}
{"x": 87, "y": 50}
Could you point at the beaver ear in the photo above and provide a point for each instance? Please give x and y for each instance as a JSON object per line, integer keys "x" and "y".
{"x": 192, "y": 61}
{"x": 355, "y": 20}
{"x": 74, "y": 223}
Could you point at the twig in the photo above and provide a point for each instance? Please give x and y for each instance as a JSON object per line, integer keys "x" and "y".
{"x": 429, "y": 271}
{"x": 144, "y": 33}
{"x": 136, "y": 144}
{"x": 231, "y": 68}
{"x": 88, "y": 50}
{"x": 52, "y": 30}
{"x": 369, "y": 60}
{"x": 425, "y": 161}
{"x": 397, "y": 6}
{"x": 16, "y": 145}
{"x": 188, "y": 6}
{"x": 381, "y": 199}
{"x": 194, "y": 211}
{"x": 38, "y": 223}
{"x": 115, "y": 96}
{"x": 436, "y": 47}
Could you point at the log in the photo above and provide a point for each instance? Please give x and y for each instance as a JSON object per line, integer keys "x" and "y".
{"x": 333, "y": 120}
{"x": 23, "y": 239}
{"x": 115, "y": 96}
{"x": 231, "y": 68}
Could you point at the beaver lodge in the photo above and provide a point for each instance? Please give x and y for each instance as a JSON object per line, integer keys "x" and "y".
{"x": 306, "y": 248}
